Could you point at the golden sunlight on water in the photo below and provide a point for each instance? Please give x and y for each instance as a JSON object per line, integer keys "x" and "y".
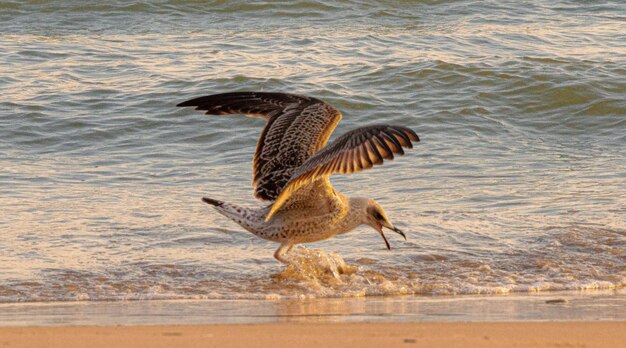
{"x": 516, "y": 186}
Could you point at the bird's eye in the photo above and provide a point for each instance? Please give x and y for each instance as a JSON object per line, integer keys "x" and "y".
{"x": 378, "y": 216}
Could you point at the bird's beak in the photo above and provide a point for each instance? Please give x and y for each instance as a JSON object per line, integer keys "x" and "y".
{"x": 398, "y": 231}
{"x": 380, "y": 230}
{"x": 391, "y": 227}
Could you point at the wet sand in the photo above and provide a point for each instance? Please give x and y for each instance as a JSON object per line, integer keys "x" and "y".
{"x": 571, "y": 306}
{"x": 518, "y": 334}
{"x": 562, "y": 319}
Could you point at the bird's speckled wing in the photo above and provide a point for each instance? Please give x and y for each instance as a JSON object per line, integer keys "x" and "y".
{"x": 297, "y": 127}
{"x": 354, "y": 151}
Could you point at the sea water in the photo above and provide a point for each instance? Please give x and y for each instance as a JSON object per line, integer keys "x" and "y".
{"x": 518, "y": 183}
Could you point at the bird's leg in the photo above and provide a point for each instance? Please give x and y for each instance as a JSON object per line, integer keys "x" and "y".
{"x": 290, "y": 248}
{"x": 278, "y": 254}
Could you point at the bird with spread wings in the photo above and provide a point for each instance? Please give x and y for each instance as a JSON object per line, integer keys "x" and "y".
{"x": 292, "y": 167}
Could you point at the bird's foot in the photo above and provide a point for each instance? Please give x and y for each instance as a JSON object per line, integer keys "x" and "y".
{"x": 278, "y": 255}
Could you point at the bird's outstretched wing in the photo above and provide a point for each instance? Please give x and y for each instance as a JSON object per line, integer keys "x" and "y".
{"x": 354, "y": 151}
{"x": 297, "y": 127}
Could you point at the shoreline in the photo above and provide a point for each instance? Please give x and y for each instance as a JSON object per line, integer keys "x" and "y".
{"x": 519, "y": 334}
{"x": 529, "y": 307}
{"x": 555, "y": 319}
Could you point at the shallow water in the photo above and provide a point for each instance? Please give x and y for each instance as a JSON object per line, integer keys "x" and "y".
{"x": 603, "y": 305}
{"x": 518, "y": 183}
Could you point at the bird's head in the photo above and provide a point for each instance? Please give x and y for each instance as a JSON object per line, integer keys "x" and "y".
{"x": 377, "y": 218}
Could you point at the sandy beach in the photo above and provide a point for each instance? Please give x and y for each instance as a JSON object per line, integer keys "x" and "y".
{"x": 562, "y": 319}
{"x": 544, "y": 334}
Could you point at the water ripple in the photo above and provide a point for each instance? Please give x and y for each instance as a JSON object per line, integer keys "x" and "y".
{"x": 517, "y": 184}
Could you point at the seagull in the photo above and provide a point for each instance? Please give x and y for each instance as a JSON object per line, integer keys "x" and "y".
{"x": 292, "y": 167}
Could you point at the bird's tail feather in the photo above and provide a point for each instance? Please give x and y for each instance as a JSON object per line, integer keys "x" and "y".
{"x": 248, "y": 218}
{"x": 212, "y": 201}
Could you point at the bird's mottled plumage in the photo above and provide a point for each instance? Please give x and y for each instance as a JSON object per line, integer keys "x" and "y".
{"x": 292, "y": 166}
{"x": 297, "y": 127}
{"x": 354, "y": 151}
